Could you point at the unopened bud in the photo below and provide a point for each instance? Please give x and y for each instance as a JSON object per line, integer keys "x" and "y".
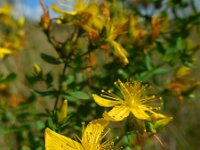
{"x": 37, "y": 69}
{"x": 59, "y": 21}
{"x": 63, "y": 111}
{"x": 45, "y": 21}
{"x": 162, "y": 122}
{"x": 45, "y": 18}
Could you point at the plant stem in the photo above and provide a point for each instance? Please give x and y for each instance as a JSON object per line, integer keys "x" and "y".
{"x": 60, "y": 88}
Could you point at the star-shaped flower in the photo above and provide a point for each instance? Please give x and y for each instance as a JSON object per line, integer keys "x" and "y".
{"x": 91, "y": 138}
{"x": 135, "y": 101}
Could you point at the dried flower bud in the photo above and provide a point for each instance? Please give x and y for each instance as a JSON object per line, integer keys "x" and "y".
{"x": 45, "y": 19}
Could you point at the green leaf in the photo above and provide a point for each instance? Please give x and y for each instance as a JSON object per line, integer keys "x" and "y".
{"x": 149, "y": 126}
{"x": 180, "y": 44}
{"x": 46, "y": 93}
{"x": 9, "y": 78}
{"x": 122, "y": 73}
{"x": 3, "y": 131}
{"x": 24, "y": 147}
{"x": 155, "y": 71}
{"x": 50, "y": 123}
{"x": 40, "y": 125}
{"x": 50, "y": 59}
{"x": 69, "y": 98}
{"x": 148, "y": 62}
{"x": 160, "y": 47}
{"x": 69, "y": 79}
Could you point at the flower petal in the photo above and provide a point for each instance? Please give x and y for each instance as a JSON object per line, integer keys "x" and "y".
{"x": 4, "y": 51}
{"x": 60, "y": 11}
{"x": 92, "y": 8}
{"x": 120, "y": 52}
{"x": 92, "y": 135}
{"x": 140, "y": 114}
{"x": 55, "y": 141}
{"x": 105, "y": 102}
{"x": 117, "y": 113}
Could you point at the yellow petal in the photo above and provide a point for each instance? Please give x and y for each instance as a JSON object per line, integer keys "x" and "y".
{"x": 158, "y": 116}
{"x": 97, "y": 22}
{"x": 92, "y": 135}
{"x": 60, "y": 11}
{"x": 92, "y": 8}
{"x": 140, "y": 114}
{"x": 79, "y": 5}
{"x": 124, "y": 89}
{"x": 55, "y": 141}
{"x": 4, "y": 51}
{"x": 105, "y": 102}
{"x": 89, "y": 29}
{"x": 6, "y": 9}
{"x": 117, "y": 113}
{"x": 120, "y": 52}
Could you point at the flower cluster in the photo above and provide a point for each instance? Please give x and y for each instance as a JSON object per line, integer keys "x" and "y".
{"x": 13, "y": 40}
{"x": 135, "y": 101}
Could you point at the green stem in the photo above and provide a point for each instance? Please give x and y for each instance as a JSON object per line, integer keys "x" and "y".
{"x": 60, "y": 88}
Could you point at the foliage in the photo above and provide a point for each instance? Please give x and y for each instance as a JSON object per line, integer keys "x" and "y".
{"x": 144, "y": 47}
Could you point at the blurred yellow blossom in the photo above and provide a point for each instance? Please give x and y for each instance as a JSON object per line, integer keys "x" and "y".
{"x": 120, "y": 52}
{"x": 87, "y": 14}
{"x": 137, "y": 31}
{"x": 13, "y": 36}
{"x": 4, "y": 51}
{"x": 114, "y": 29}
{"x": 182, "y": 85}
{"x": 73, "y": 9}
{"x": 5, "y": 9}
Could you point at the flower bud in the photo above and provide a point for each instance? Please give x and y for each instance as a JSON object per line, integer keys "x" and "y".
{"x": 63, "y": 111}
{"x": 37, "y": 69}
{"x": 45, "y": 18}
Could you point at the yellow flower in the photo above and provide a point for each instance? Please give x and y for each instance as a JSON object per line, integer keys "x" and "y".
{"x": 114, "y": 29}
{"x": 5, "y": 9}
{"x": 75, "y": 8}
{"x": 89, "y": 18}
{"x": 120, "y": 52}
{"x": 6, "y": 16}
{"x": 4, "y": 51}
{"x": 135, "y": 101}
{"x": 91, "y": 138}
